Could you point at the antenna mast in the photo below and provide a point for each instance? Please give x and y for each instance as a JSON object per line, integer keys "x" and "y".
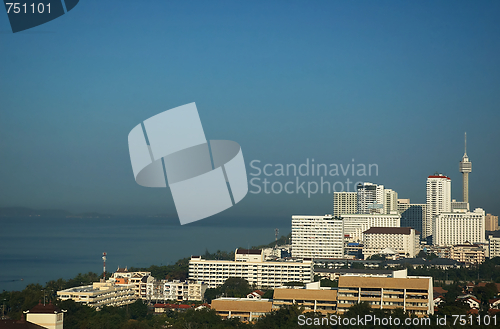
{"x": 104, "y": 265}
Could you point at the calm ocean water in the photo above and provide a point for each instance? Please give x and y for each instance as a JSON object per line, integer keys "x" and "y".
{"x": 41, "y": 249}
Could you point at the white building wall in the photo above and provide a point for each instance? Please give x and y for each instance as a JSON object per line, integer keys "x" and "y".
{"x": 317, "y": 237}
{"x": 457, "y": 228}
{"x": 356, "y": 224}
{"x": 438, "y": 200}
{"x": 345, "y": 203}
{"x": 262, "y": 274}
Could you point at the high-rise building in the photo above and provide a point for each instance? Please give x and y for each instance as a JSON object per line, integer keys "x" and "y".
{"x": 412, "y": 215}
{"x": 438, "y": 200}
{"x": 390, "y": 201}
{"x": 370, "y": 198}
{"x": 465, "y": 168}
{"x": 317, "y": 237}
{"x": 452, "y": 228}
{"x": 491, "y": 222}
{"x": 345, "y": 203}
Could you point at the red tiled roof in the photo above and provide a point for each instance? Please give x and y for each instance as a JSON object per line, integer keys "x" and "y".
{"x": 45, "y": 309}
{"x": 434, "y": 176}
{"x": 172, "y": 306}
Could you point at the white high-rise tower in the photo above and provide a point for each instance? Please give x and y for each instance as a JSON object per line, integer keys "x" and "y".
{"x": 438, "y": 200}
{"x": 465, "y": 168}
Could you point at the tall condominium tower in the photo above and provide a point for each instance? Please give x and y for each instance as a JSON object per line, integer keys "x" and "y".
{"x": 438, "y": 200}
{"x": 345, "y": 203}
{"x": 370, "y": 198}
{"x": 465, "y": 168}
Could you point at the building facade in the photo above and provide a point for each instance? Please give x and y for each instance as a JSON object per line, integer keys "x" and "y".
{"x": 403, "y": 240}
{"x": 413, "y": 294}
{"x": 355, "y": 224}
{"x": 370, "y": 198}
{"x": 312, "y": 300}
{"x": 390, "y": 201}
{"x": 345, "y": 203}
{"x": 317, "y": 237}
{"x": 494, "y": 245}
{"x": 100, "y": 294}
{"x": 261, "y": 274}
{"x": 468, "y": 253}
{"x": 457, "y": 228}
{"x": 438, "y": 200}
{"x": 164, "y": 290}
{"x": 246, "y": 309}
{"x": 491, "y": 222}
{"x": 412, "y": 215}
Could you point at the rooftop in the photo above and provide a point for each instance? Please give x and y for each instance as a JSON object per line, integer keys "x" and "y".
{"x": 389, "y": 230}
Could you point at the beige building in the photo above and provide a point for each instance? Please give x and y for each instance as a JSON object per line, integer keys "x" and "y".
{"x": 345, "y": 203}
{"x": 259, "y": 273}
{"x": 317, "y": 300}
{"x": 246, "y": 309}
{"x": 403, "y": 240}
{"x": 494, "y": 246}
{"x": 100, "y": 294}
{"x": 491, "y": 222}
{"x": 123, "y": 276}
{"x": 468, "y": 253}
{"x": 164, "y": 290}
{"x": 413, "y": 294}
{"x": 47, "y": 316}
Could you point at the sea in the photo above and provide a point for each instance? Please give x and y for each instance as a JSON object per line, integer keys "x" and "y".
{"x": 40, "y": 249}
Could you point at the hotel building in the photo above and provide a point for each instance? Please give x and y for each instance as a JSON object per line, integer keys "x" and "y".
{"x": 317, "y": 237}
{"x": 457, "y": 228}
{"x": 257, "y": 272}
{"x": 345, "y": 203}
{"x": 403, "y": 240}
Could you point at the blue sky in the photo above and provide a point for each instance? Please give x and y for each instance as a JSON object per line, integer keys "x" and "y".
{"x": 387, "y": 82}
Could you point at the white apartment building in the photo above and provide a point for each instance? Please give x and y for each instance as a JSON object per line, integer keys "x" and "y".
{"x": 317, "y": 237}
{"x": 412, "y": 215}
{"x": 390, "y": 201}
{"x": 403, "y": 240}
{"x": 457, "y": 228}
{"x": 345, "y": 203}
{"x": 370, "y": 198}
{"x": 355, "y": 224}
{"x": 494, "y": 247}
{"x": 100, "y": 294}
{"x": 164, "y": 290}
{"x": 261, "y": 274}
{"x": 438, "y": 200}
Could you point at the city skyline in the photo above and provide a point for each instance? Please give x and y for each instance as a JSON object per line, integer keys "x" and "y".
{"x": 396, "y": 84}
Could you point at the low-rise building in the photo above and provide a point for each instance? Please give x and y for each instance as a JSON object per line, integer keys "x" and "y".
{"x": 413, "y": 294}
{"x": 403, "y": 240}
{"x": 316, "y": 300}
{"x": 123, "y": 276}
{"x": 163, "y": 290}
{"x": 100, "y": 294}
{"x": 468, "y": 253}
{"x": 246, "y": 309}
{"x": 259, "y": 273}
{"x": 48, "y": 316}
{"x": 494, "y": 245}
